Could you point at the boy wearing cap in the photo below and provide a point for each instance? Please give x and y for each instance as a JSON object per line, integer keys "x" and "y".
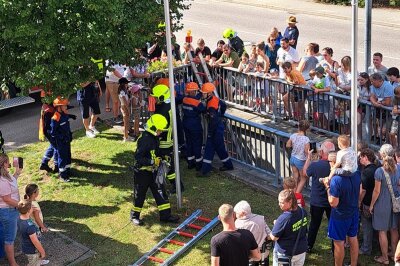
{"x": 320, "y": 85}
{"x": 291, "y": 31}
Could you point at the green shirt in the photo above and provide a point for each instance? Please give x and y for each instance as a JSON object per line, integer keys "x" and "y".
{"x": 232, "y": 56}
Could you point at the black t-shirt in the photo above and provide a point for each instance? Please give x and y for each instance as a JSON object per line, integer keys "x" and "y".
{"x": 88, "y": 93}
{"x": 368, "y": 182}
{"x": 233, "y": 247}
{"x": 217, "y": 54}
{"x": 206, "y": 51}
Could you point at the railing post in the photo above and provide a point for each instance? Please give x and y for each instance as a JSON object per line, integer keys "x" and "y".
{"x": 277, "y": 160}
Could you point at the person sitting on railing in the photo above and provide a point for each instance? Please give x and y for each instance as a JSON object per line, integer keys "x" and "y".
{"x": 320, "y": 85}
{"x": 381, "y": 96}
{"x": 394, "y": 129}
{"x": 294, "y": 77}
{"x": 301, "y": 145}
{"x": 255, "y": 223}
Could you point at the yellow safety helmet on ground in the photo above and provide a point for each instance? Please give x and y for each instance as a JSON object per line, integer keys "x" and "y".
{"x": 207, "y": 87}
{"x": 191, "y": 86}
{"x": 156, "y": 122}
{"x": 228, "y": 33}
{"x": 60, "y": 101}
{"x": 161, "y": 92}
{"x": 163, "y": 81}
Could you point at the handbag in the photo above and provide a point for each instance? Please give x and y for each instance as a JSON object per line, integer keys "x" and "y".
{"x": 286, "y": 260}
{"x": 395, "y": 201}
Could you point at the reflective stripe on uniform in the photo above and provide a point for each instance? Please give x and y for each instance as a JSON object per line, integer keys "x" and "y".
{"x": 166, "y": 144}
{"x": 199, "y": 160}
{"x": 225, "y": 160}
{"x": 206, "y": 161}
{"x": 165, "y": 206}
{"x": 146, "y": 168}
{"x": 136, "y": 209}
{"x": 62, "y": 170}
{"x": 63, "y": 123}
{"x": 171, "y": 176}
{"x": 187, "y": 108}
{"x": 191, "y": 158}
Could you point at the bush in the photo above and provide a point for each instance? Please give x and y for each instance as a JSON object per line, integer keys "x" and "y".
{"x": 361, "y": 3}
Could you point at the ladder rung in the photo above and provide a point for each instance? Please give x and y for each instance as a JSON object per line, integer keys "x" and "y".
{"x": 156, "y": 259}
{"x": 178, "y": 243}
{"x": 165, "y": 250}
{"x": 204, "y": 219}
{"x": 195, "y": 226}
{"x": 185, "y": 234}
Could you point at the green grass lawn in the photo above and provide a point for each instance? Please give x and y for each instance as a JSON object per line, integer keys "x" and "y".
{"x": 94, "y": 207}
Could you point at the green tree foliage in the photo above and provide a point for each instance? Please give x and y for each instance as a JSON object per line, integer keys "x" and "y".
{"x": 361, "y": 3}
{"x": 46, "y": 41}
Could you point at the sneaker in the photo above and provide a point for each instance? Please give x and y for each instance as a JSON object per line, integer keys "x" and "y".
{"x": 90, "y": 134}
{"x": 45, "y": 167}
{"x": 94, "y": 130}
{"x": 170, "y": 219}
{"x": 44, "y": 262}
{"x": 117, "y": 120}
{"x": 128, "y": 139}
{"x": 137, "y": 221}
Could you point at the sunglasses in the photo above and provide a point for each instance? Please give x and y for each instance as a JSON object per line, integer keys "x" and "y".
{"x": 272, "y": 39}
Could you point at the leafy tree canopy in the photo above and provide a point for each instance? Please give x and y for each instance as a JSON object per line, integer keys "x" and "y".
{"x": 44, "y": 42}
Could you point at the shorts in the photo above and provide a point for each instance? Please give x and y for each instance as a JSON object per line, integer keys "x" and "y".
{"x": 94, "y": 105}
{"x": 112, "y": 87}
{"x": 339, "y": 229}
{"x": 136, "y": 113}
{"x": 9, "y": 219}
{"x": 323, "y": 106}
{"x": 33, "y": 259}
{"x": 395, "y": 126}
{"x": 299, "y": 164}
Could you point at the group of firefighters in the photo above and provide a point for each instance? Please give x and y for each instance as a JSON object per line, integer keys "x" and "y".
{"x": 155, "y": 144}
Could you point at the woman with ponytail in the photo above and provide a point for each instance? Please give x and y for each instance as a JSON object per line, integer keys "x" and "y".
{"x": 290, "y": 230}
{"x": 383, "y": 218}
{"x": 9, "y": 198}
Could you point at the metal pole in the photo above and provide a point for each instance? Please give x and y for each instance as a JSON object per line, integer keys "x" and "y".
{"x": 354, "y": 71}
{"x": 173, "y": 109}
{"x": 368, "y": 23}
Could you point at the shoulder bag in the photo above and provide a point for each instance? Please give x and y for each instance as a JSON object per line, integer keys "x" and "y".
{"x": 395, "y": 201}
{"x": 286, "y": 260}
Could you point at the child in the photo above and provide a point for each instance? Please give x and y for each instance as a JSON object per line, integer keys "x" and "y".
{"x": 124, "y": 100}
{"x": 290, "y": 183}
{"x": 244, "y": 63}
{"x": 301, "y": 145}
{"x": 136, "y": 102}
{"x": 346, "y": 159}
{"x": 31, "y": 245}
{"x": 32, "y": 193}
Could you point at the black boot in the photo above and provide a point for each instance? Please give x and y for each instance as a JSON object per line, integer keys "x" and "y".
{"x": 56, "y": 169}
{"x": 225, "y": 168}
{"x": 170, "y": 219}
{"x": 46, "y": 168}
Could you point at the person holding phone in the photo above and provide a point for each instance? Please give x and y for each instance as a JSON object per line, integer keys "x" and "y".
{"x": 9, "y": 198}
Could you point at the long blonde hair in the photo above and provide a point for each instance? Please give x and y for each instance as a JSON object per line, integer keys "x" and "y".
{"x": 3, "y": 170}
{"x": 389, "y": 162}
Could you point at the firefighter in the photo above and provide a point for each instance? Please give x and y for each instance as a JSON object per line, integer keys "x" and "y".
{"x": 61, "y": 134}
{"x": 47, "y": 113}
{"x": 192, "y": 109}
{"x": 234, "y": 41}
{"x": 147, "y": 161}
{"x": 215, "y": 109}
{"x": 162, "y": 95}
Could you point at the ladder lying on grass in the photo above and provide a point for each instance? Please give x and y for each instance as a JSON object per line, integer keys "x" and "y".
{"x": 179, "y": 231}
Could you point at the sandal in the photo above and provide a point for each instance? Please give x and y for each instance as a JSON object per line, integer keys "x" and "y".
{"x": 381, "y": 260}
{"x": 108, "y": 109}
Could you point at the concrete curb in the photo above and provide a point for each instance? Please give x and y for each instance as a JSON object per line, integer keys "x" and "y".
{"x": 307, "y": 12}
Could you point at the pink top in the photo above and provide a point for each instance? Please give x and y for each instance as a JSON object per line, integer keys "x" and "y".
{"x": 8, "y": 188}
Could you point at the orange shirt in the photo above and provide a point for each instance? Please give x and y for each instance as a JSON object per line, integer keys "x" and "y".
{"x": 295, "y": 77}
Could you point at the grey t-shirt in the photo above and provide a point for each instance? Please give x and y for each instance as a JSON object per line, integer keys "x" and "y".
{"x": 310, "y": 63}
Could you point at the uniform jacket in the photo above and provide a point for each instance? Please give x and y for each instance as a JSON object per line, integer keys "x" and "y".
{"x": 192, "y": 108}
{"x": 147, "y": 151}
{"x": 215, "y": 109}
{"x": 164, "y": 109}
{"x": 60, "y": 128}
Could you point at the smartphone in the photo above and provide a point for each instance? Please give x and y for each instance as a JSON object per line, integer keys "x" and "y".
{"x": 313, "y": 147}
{"x": 18, "y": 162}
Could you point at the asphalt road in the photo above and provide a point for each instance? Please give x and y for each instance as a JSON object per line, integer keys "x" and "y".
{"x": 207, "y": 19}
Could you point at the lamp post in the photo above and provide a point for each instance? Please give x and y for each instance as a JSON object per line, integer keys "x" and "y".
{"x": 354, "y": 49}
{"x": 173, "y": 109}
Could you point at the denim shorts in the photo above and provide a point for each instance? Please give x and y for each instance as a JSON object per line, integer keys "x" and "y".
{"x": 9, "y": 219}
{"x": 299, "y": 164}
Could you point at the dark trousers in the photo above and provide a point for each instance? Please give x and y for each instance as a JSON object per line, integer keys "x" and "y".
{"x": 64, "y": 158}
{"x": 143, "y": 181}
{"x": 169, "y": 152}
{"x": 316, "y": 218}
{"x": 49, "y": 153}
{"x": 194, "y": 144}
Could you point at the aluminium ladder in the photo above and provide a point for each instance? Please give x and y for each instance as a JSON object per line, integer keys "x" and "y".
{"x": 197, "y": 74}
{"x": 179, "y": 231}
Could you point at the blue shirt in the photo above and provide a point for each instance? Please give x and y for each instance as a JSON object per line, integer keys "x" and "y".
{"x": 292, "y": 34}
{"x": 347, "y": 189}
{"x": 317, "y": 170}
{"x": 384, "y": 91}
{"x": 287, "y": 227}
{"x": 27, "y": 228}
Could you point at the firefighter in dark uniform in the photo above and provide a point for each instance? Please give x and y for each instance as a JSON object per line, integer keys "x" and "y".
{"x": 162, "y": 95}
{"x": 215, "y": 134}
{"x": 192, "y": 108}
{"x": 234, "y": 41}
{"x": 147, "y": 161}
{"x": 61, "y": 134}
{"x": 47, "y": 113}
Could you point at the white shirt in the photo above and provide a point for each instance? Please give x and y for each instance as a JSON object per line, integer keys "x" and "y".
{"x": 291, "y": 56}
{"x": 122, "y": 95}
{"x": 110, "y": 76}
{"x": 348, "y": 159}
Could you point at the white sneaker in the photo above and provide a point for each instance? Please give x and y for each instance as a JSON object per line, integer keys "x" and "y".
{"x": 94, "y": 130}
{"x": 90, "y": 134}
{"x": 44, "y": 262}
